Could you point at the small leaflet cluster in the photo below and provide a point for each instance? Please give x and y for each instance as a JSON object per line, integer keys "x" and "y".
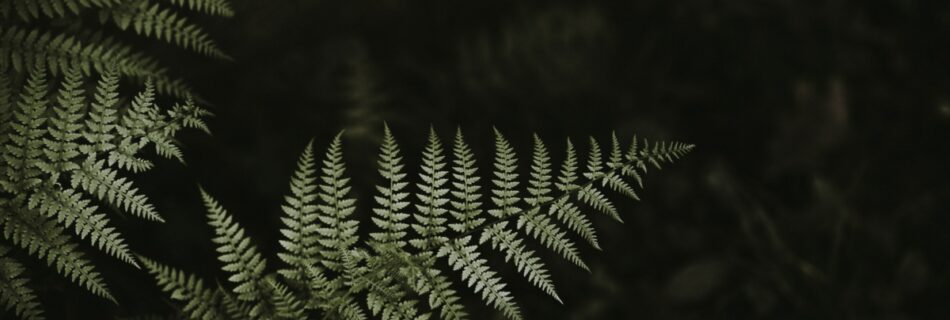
{"x": 434, "y": 231}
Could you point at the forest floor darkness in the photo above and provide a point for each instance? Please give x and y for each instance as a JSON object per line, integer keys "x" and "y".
{"x": 818, "y": 188}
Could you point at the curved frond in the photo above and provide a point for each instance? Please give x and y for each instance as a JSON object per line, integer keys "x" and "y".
{"x": 337, "y": 232}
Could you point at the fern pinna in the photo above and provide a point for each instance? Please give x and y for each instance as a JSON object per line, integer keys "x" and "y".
{"x": 64, "y": 154}
{"x": 432, "y": 235}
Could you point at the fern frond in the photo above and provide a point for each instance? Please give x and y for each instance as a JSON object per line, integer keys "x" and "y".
{"x": 540, "y": 226}
{"x": 28, "y": 10}
{"x": 47, "y": 241}
{"x": 100, "y": 126}
{"x": 60, "y": 146}
{"x": 240, "y": 258}
{"x": 466, "y": 206}
{"x": 338, "y": 232}
{"x": 105, "y": 184}
{"x": 152, "y": 20}
{"x": 200, "y": 302}
{"x": 504, "y": 185}
{"x": 591, "y": 195}
{"x": 213, "y": 7}
{"x": 286, "y": 305}
{"x": 14, "y": 293}
{"x": 429, "y": 216}
{"x": 465, "y": 258}
{"x": 527, "y": 263}
{"x": 21, "y": 49}
{"x": 71, "y": 210}
{"x": 24, "y": 150}
{"x": 392, "y": 199}
{"x": 300, "y": 242}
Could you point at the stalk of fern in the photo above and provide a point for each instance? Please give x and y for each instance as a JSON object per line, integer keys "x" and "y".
{"x": 430, "y": 236}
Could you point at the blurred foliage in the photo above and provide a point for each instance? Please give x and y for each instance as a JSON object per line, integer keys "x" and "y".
{"x": 818, "y": 188}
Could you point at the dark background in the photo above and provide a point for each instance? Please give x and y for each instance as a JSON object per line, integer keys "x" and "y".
{"x": 818, "y": 188}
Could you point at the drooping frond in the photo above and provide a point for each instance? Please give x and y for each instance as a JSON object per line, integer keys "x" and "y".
{"x": 14, "y": 294}
{"x": 200, "y": 302}
{"x": 106, "y": 185}
{"x": 337, "y": 232}
{"x": 239, "y": 256}
{"x": 392, "y": 199}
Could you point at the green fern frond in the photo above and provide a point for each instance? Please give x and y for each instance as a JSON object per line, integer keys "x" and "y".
{"x": 71, "y": 210}
{"x": 392, "y": 277}
{"x": 466, "y": 206}
{"x": 21, "y": 49}
{"x": 476, "y": 274}
{"x": 14, "y": 293}
{"x": 240, "y": 258}
{"x": 430, "y": 221}
{"x": 33, "y": 9}
{"x": 105, "y": 184}
{"x": 47, "y": 241}
{"x": 505, "y": 182}
{"x": 392, "y": 200}
{"x": 200, "y": 302}
{"x": 152, "y": 20}
{"x": 213, "y": 7}
{"x": 300, "y": 242}
{"x": 337, "y": 234}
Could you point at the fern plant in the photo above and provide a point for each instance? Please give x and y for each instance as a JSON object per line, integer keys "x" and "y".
{"x": 431, "y": 235}
{"x": 69, "y": 138}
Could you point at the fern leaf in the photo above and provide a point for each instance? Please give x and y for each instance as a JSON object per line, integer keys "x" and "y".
{"x": 286, "y": 306}
{"x": 23, "y": 152}
{"x": 21, "y": 49}
{"x": 60, "y": 146}
{"x": 392, "y": 199}
{"x": 47, "y": 241}
{"x": 539, "y": 226}
{"x": 466, "y": 206}
{"x": 71, "y": 210}
{"x": 300, "y": 241}
{"x": 338, "y": 232}
{"x": 105, "y": 184}
{"x": 527, "y": 263}
{"x": 504, "y": 185}
{"x": 213, "y": 7}
{"x": 200, "y": 302}
{"x": 14, "y": 293}
{"x": 241, "y": 258}
{"x": 152, "y": 20}
{"x": 100, "y": 126}
{"x": 465, "y": 258}
{"x": 571, "y": 215}
{"x": 429, "y": 216}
